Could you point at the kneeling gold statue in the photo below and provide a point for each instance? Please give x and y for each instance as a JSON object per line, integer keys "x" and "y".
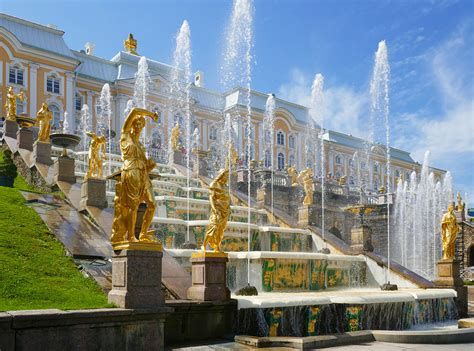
{"x": 220, "y": 211}
{"x": 133, "y": 185}
{"x": 95, "y": 159}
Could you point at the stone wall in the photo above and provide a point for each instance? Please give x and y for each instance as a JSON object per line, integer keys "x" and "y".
{"x": 101, "y": 329}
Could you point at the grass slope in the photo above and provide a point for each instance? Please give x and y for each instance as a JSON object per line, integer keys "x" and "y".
{"x": 34, "y": 271}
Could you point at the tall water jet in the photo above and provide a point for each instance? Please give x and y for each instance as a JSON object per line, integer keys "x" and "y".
{"x": 181, "y": 94}
{"x": 317, "y": 117}
{"x": 269, "y": 137}
{"x": 380, "y": 108}
{"x": 237, "y": 70}
{"x": 420, "y": 202}
{"x": 105, "y": 104}
{"x": 141, "y": 90}
{"x": 86, "y": 126}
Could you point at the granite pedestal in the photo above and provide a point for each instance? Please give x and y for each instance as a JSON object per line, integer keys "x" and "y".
{"x": 24, "y": 138}
{"x": 93, "y": 193}
{"x": 209, "y": 277}
{"x": 361, "y": 238}
{"x": 307, "y": 215}
{"x": 64, "y": 169}
{"x": 200, "y": 164}
{"x": 449, "y": 277}
{"x": 176, "y": 157}
{"x": 42, "y": 153}
{"x": 10, "y": 128}
{"x": 136, "y": 276}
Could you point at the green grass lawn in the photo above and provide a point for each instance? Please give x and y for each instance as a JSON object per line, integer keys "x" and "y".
{"x": 34, "y": 271}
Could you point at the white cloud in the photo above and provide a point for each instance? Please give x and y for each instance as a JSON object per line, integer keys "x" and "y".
{"x": 345, "y": 107}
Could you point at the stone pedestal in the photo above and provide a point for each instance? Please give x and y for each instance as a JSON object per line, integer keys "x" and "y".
{"x": 176, "y": 157}
{"x": 209, "y": 277}
{"x": 449, "y": 278}
{"x": 261, "y": 195}
{"x": 136, "y": 276}
{"x": 42, "y": 153}
{"x": 93, "y": 193}
{"x": 64, "y": 169}
{"x": 10, "y": 128}
{"x": 24, "y": 138}
{"x": 307, "y": 215}
{"x": 361, "y": 238}
{"x": 200, "y": 163}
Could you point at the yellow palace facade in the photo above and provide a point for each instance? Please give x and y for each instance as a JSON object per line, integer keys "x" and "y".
{"x": 36, "y": 59}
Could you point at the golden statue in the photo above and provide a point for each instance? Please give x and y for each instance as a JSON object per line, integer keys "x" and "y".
{"x": 460, "y": 205}
{"x": 175, "y": 133}
{"x": 43, "y": 120}
{"x": 220, "y": 211}
{"x": 10, "y": 104}
{"x": 131, "y": 44}
{"x": 232, "y": 154}
{"x": 343, "y": 180}
{"x": 294, "y": 175}
{"x": 133, "y": 186}
{"x": 95, "y": 159}
{"x": 449, "y": 232}
{"x": 305, "y": 178}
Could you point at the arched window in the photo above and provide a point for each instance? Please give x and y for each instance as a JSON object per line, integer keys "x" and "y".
{"x": 351, "y": 180}
{"x": 53, "y": 84}
{"x": 78, "y": 102}
{"x": 280, "y": 138}
{"x": 291, "y": 160}
{"x": 56, "y": 115}
{"x": 15, "y": 75}
{"x": 291, "y": 141}
{"x": 376, "y": 168}
{"x": 281, "y": 161}
{"x": 351, "y": 162}
{"x": 338, "y": 159}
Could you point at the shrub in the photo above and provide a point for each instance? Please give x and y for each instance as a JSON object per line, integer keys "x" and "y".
{"x": 7, "y": 167}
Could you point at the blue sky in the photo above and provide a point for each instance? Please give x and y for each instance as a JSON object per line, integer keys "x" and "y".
{"x": 430, "y": 43}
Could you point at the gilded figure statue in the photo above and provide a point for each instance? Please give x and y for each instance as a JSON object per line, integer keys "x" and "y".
{"x": 131, "y": 44}
{"x": 293, "y": 175}
{"x": 95, "y": 158}
{"x": 43, "y": 120}
{"x": 449, "y": 232}
{"x": 232, "y": 155}
{"x": 175, "y": 133}
{"x": 305, "y": 178}
{"x": 343, "y": 180}
{"x": 460, "y": 204}
{"x": 220, "y": 211}
{"x": 10, "y": 104}
{"x": 133, "y": 185}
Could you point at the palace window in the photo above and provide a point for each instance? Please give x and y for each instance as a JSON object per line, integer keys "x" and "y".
{"x": 376, "y": 167}
{"x": 20, "y": 106}
{"x": 281, "y": 161}
{"x": 78, "y": 102}
{"x": 280, "y": 138}
{"x": 56, "y": 115}
{"x": 291, "y": 161}
{"x": 178, "y": 119}
{"x": 52, "y": 84}
{"x": 15, "y": 75}
{"x": 213, "y": 133}
{"x": 268, "y": 159}
{"x": 291, "y": 141}
{"x": 338, "y": 159}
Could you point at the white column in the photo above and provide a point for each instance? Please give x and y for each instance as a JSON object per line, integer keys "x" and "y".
{"x": 331, "y": 163}
{"x": 33, "y": 89}
{"x": 371, "y": 174}
{"x": 70, "y": 101}
{"x": 205, "y": 134}
{"x": 120, "y": 106}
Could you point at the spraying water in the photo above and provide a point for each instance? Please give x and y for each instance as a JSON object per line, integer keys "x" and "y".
{"x": 237, "y": 70}
{"x": 269, "y": 136}
{"x": 317, "y": 117}
{"x": 141, "y": 90}
{"x": 106, "y": 119}
{"x": 379, "y": 92}
{"x": 419, "y": 206}
{"x": 181, "y": 93}
{"x": 65, "y": 124}
{"x": 86, "y": 126}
